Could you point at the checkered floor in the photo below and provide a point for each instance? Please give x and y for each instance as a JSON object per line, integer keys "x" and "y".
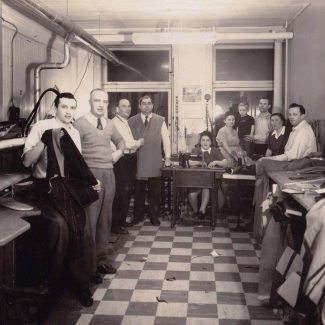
{"x": 168, "y": 276}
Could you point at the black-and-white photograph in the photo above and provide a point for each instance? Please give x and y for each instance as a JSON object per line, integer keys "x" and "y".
{"x": 162, "y": 162}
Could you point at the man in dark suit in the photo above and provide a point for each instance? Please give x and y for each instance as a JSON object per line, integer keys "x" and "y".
{"x": 153, "y": 129}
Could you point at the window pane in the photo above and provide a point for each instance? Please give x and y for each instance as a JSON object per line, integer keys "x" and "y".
{"x": 153, "y": 65}
{"x": 244, "y": 64}
{"x": 229, "y": 100}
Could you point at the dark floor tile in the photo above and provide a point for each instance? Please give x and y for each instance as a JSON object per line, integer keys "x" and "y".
{"x": 142, "y": 244}
{"x": 248, "y": 268}
{"x": 202, "y": 267}
{"x": 250, "y": 287}
{"x": 160, "y": 251}
{"x": 118, "y": 295}
{"x": 245, "y": 253}
{"x": 202, "y": 240}
{"x": 202, "y": 286}
{"x": 124, "y": 250}
{"x": 261, "y": 313}
{"x": 166, "y": 239}
{"x": 183, "y": 233}
{"x": 178, "y": 275}
{"x": 202, "y": 310}
{"x": 201, "y": 252}
{"x": 221, "y": 234}
{"x": 241, "y": 240}
{"x": 155, "y": 266}
{"x": 149, "y": 285}
{"x": 180, "y": 259}
{"x": 132, "y": 238}
{"x": 147, "y": 233}
{"x": 128, "y": 274}
{"x": 231, "y": 298}
{"x": 170, "y": 320}
{"x": 227, "y": 276}
{"x": 106, "y": 319}
{"x": 142, "y": 308}
{"x": 234, "y": 322}
{"x": 133, "y": 258}
{"x": 182, "y": 245}
{"x": 222, "y": 246}
{"x": 225, "y": 260}
{"x": 174, "y": 296}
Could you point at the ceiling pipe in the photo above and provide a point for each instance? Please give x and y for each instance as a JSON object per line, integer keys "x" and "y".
{"x": 40, "y": 9}
{"x": 57, "y": 65}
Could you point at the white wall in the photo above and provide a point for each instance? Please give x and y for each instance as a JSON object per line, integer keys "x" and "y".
{"x": 193, "y": 68}
{"x": 307, "y": 61}
{"x": 34, "y": 44}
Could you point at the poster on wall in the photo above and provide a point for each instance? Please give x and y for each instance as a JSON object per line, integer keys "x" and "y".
{"x": 192, "y": 94}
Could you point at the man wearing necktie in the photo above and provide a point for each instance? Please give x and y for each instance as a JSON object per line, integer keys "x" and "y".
{"x": 153, "y": 129}
{"x": 124, "y": 169}
{"x": 96, "y": 132}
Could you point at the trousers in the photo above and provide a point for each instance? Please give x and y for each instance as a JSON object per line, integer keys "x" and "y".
{"x": 154, "y": 192}
{"x": 124, "y": 170}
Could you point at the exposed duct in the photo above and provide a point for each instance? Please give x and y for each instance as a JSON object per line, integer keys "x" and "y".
{"x": 69, "y": 26}
{"x": 42, "y": 66}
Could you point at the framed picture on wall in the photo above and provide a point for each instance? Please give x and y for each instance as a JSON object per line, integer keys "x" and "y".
{"x": 192, "y": 94}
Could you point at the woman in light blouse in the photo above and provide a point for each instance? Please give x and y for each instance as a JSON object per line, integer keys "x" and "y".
{"x": 228, "y": 141}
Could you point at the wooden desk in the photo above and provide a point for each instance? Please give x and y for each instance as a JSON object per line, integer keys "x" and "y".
{"x": 12, "y": 225}
{"x": 282, "y": 179}
{"x": 239, "y": 180}
{"x": 197, "y": 178}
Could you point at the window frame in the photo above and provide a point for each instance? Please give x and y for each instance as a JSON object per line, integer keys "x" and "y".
{"x": 135, "y": 84}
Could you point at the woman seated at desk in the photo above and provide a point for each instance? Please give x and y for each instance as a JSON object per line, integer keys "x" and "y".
{"x": 279, "y": 137}
{"x": 211, "y": 157}
{"x": 228, "y": 141}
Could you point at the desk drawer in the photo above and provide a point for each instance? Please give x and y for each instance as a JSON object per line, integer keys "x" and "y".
{"x": 188, "y": 178}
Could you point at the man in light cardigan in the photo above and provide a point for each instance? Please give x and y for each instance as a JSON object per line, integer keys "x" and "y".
{"x": 96, "y": 132}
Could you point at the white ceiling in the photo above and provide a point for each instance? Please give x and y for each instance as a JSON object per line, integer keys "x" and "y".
{"x": 107, "y": 17}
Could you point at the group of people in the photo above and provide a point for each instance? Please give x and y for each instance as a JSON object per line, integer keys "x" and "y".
{"x": 84, "y": 172}
{"x": 84, "y": 187}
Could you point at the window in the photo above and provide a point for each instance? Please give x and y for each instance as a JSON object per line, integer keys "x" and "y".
{"x": 149, "y": 66}
{"x": 242, "y": 64}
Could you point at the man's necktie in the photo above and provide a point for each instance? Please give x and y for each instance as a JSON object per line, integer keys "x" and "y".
{"x": 99, "y": 124}
{"x": 146, "y": 121}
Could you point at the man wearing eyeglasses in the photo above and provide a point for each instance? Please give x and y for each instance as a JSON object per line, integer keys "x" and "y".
{"x": 153, "y": 129}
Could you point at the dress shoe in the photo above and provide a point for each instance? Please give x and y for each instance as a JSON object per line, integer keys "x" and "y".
{"x": 106, "y": 269}
{"x": 128, "y": 224}
{"x": 95, "y": 278}
{"x": 200, "y": 215}
{"x": 155, "y": 222}
{"x": 119, "y": 231}
{"x": 137, "y": 221}
{"x": 85, "y": 297}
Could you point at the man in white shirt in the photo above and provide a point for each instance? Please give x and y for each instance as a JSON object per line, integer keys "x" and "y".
{"x": 262, "y": 128}
{"x": 153, "y": 129}
{"x": 124, "y": 169}
{"x": 35, "y": 155}
{"x": 302, "y": 139}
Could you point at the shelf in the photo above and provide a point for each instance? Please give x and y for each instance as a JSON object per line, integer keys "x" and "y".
{"x": 7, "y": 180}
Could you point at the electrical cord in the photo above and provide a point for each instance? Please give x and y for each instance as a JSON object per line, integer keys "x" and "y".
{"x": 84, "y": 73}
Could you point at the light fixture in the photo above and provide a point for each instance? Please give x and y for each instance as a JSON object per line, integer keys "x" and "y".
{"x": 175, "y": 38}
